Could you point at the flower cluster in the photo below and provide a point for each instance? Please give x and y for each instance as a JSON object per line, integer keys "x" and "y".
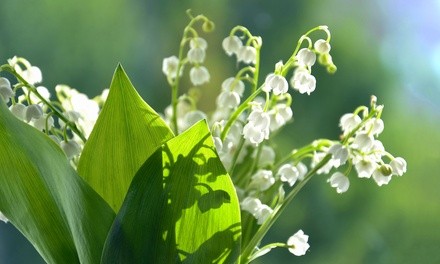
{"x": 68, "y": 120}
{"x": 246, "y": 115}
{"x": 360, "y": 148}
{"x": 243, "y": 122}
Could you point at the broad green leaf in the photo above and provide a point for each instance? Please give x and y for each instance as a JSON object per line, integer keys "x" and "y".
{"x": 181, "y": 207}
{"x": 43, "y": 196}
{"x": 126, "y": 133}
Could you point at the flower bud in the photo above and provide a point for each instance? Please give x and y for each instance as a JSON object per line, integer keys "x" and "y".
{"x": 208, "y": 26}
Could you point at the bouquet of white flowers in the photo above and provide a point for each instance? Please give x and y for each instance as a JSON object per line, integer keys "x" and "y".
{"x": 109, "y": 180}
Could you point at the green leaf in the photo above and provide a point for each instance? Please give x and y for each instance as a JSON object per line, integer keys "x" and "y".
{"x": 126, "y": 133}
{"x": 43, "y": 196}
{"x": 181, "y": 207}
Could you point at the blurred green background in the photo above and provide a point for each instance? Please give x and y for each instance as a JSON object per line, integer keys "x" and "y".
{"x": 389, "y": 48}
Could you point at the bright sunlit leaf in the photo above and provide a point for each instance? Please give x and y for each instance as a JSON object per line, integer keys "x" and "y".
{"x": 181, "y": 207}
{"x": 126, "y": 133}
{"x": 42, "y": 195}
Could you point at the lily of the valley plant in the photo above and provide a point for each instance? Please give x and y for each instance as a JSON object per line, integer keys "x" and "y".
{"x": 108, "y": 180}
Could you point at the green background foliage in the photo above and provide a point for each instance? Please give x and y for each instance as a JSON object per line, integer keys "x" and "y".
{"x": 387, "y": 48}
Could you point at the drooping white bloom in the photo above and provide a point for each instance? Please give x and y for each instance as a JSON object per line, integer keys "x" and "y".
{"x": 196, "y": 55}
{"x": 317, "y": 158}
{"x": 263, "y": 214}
{"x": 363, "y": 141}
{"x": 229, "y": 99}
{"x": 306, "y": 57}
{"x": 232, "y": 45}
{"x": 78, "y": 107}
{"x": 288, "y": 173}
{"x": 19, "y": 110}
{"x": 191, "y": 118}
{"x": 298, "y": 243}
{"x": 398, "y": 165}
{"x": 375, "y": 126}
{"x": 348, "y": 122}
{"x": 169, "y": 67}
{"x": 365, "y": 167}
{"x": 247, "y": 54}
{"x": 339, "y": 154}
{"x": 251, "y": 205}
{"x": 262, "y": 180}
{"x": 339, "y": 181}
{"x": 41, "y": 122}
{"x": 382, "y": 175}
{"x": 322, "y": 46}
{"x": 32, "y": 75}
{"x": 267, "y": 156}
{"x": 257, "y": 128}
{"x": 276, "y": 83}
{"x": 280, "y": 114}
{"x": 303, "y": 81}
{"x": 302, "y": 168}
{"x": 199, "y": 75}
{"x": 33, "y": 112}
{"x": 233, "y": 84}
{"x": 3, "y": 218}
{"x": 198, "y": 42}
{"x": 71, "y": 148}
{"x": 5, "y": 89}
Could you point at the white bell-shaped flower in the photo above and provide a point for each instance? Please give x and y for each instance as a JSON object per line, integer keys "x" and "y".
{"x": 191, "y": 118}
{"x": 33, "y": 112}
{"x": 348, "y": 122}
{"x": 398, "y": 165}
{"x": 262, "y": 180}
{"x": 41, "y": 122}
{"x": 232, "y": 45}
{"x": 288, "y": 173}
{"x": 382, "y": 175}
{"x": 267, "y": 156}
{"x": 339, "y": 181}
{"x": 365, "y": 167}
{"x": 233, "y": 84}
{"x": 322, "y": 46}
{"x": 169, "y": 67}
{"x": 198, "y": 42}
{"x": 280, "y": 114}
{"x": 363, "y": 141}
{"x": 263, "y": 214}
{"x": 199, "y": 75}
{"x": 306, "y": 57}
{"x": 302, "y": 168}
{"x": 19, "y": 110}
{"x": 303, "y": 81}
{"x": 229, "y": 99}
{"x": 247, "y": 54}
{"x": 196, "y": 55}
{"x": 276, "y": 83}
{"x": 298, "y": 244}
{"x": 32, "y": 75}
{"x": 6, "y": 91}
{"x": 339, "y": 154}
{"x": 71, "y": 148}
